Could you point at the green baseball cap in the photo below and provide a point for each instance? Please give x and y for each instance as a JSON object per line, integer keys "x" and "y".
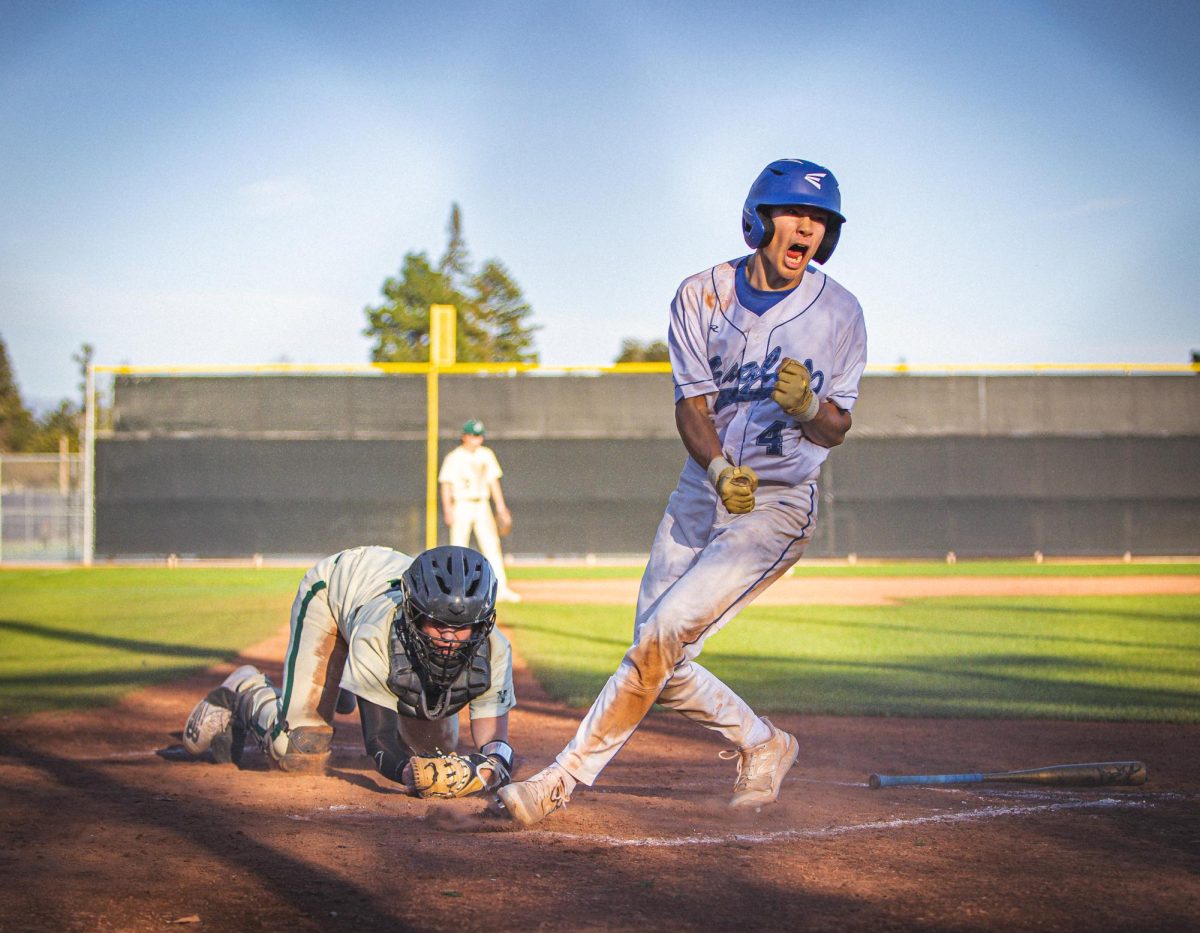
{"x": 473, "y": 427}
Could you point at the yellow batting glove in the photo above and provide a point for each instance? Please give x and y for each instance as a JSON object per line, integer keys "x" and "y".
{"x": 793, "y": 393}
{"x": 734, "y": 484}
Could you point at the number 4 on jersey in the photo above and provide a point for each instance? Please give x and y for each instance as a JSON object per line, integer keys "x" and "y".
{"x": 772, "y": 438}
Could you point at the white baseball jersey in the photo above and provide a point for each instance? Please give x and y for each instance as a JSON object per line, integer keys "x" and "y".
{"x": 470, "y": 473}
{"x": 707, "y": 564}
{"x": 717, "y": 346}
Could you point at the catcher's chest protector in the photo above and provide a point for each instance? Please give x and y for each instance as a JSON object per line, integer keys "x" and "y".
{"x": 412, "y": 700}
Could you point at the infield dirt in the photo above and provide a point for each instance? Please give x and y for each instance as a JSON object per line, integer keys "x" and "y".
{"x": 107, "y": 826}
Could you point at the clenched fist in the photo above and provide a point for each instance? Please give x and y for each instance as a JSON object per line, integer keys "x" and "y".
{"x": 793, "y": 393}
{"x": 734, "y": 484}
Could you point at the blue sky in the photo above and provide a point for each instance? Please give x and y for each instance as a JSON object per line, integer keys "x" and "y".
{"x": 230, "y": 182}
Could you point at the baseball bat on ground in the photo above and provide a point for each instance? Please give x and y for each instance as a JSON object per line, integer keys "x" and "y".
{"x": 1093, "y": 774}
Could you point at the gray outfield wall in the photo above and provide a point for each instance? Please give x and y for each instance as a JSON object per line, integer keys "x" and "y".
{"x": 978, "y": 465}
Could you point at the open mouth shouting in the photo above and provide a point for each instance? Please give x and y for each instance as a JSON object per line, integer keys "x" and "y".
{"x": 797, "y": 254}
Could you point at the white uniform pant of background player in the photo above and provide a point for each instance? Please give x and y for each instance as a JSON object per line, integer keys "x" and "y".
{"x": 312, "y": 674}
{"x": 701, "y": 573}
{"x": 476, "y": 515}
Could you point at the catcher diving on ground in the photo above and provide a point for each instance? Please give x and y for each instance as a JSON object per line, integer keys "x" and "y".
{"x": 413, "y": 640}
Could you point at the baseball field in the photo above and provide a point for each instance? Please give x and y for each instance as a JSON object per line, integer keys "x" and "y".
{"x": 921, "y": 668}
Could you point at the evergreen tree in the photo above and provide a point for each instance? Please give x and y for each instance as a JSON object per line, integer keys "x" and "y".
{"x": 501, "y": 313}
{"x": 20, "y": 431}
{"x": 64, "y": 420}
{"x": 455, "y": 263}
{"x": 400, "y": 326}
{"x": 493, "y": 315}
{"x": 16, "y": 423}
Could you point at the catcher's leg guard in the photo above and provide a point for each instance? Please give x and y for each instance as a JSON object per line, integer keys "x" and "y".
{"x": 227, "y": 745}
{"x": 308, "y": 751}
{"x": 209, "y": 728}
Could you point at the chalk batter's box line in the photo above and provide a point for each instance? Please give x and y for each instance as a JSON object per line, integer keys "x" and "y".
{"x": 787, "y": 835}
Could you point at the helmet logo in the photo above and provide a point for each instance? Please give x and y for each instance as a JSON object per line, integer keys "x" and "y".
{"x": 814, "y": 179}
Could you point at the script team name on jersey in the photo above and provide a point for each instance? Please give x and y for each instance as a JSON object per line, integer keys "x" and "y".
{"x": 748, "y": 382}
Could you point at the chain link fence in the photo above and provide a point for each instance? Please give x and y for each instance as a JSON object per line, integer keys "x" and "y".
{"x": 41, "y": 508}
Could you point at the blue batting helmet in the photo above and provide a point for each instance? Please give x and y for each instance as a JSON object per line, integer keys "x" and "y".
{"x": 788, "y": 182}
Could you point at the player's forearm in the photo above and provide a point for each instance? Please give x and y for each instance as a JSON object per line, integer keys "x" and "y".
{"x": 696, "y": 429}
{"x": 489, "y": 729}
{"x": 497, "y": 495}
{"x": 829, "y": 428}
{"x": 381, "y": 736}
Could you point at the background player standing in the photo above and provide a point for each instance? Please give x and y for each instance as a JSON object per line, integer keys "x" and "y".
{"x": 469, "y": 481}
{"x": 757, "y": 424}
{"x": 413, "y": 639}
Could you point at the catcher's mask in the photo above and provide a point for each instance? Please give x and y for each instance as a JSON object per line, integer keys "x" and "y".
{"x": 450, "y": 588}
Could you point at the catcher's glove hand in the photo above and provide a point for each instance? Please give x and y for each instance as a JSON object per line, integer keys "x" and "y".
{"x": 793, "y": 393}
{"x": 456, "y": 775}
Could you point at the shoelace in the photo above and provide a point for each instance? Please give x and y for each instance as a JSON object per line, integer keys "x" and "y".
{"x": 557, "y": 796}
{"x": 746, "y": 760}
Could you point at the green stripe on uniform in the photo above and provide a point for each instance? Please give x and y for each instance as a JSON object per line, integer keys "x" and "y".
{"x": 289, "y": 670}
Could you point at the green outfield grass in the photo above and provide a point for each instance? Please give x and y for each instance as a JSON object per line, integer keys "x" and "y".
{"x": 78, "y": 638}
{"x": 1119, "y": 658}
{"x": 980, "y": 568}
{"x": 81, "y": 638}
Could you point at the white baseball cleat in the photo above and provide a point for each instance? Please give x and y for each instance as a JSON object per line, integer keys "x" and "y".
{"x": 508, "y": 596}
{"x": 761, "y": 768}
{"x": 527, "y": 802}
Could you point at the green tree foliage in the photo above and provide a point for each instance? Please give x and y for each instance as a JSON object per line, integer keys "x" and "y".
{"x": 83, "y": 359}
{"x": 493, "y": 315}
{"x": 20, "y": 431}
{"x": 499, "y": 313}
{"x": 16, "y": 423}
{"x": 635, "y": 351}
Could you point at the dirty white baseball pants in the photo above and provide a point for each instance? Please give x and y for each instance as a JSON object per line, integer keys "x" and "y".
{"x": 705, "y": 566}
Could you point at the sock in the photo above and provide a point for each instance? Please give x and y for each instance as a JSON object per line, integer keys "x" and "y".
{"x": 758, "y": 734}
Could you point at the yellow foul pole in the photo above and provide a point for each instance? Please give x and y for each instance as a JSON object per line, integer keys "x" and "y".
{"x": 442, "y": 334}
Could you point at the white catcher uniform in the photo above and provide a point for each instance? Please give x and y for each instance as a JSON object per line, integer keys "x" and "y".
{"x": 341, "y": 621}
{"x": 707, "y": 564}
{"x": 470, "y": 474}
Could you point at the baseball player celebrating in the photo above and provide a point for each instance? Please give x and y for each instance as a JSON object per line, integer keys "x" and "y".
{"x": 766, "y": 354}
{"x": 469, "y": 481}
{"x": 414, "y": 640}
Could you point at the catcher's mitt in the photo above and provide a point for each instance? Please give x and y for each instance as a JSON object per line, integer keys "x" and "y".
{"x": 456, "y": 775}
